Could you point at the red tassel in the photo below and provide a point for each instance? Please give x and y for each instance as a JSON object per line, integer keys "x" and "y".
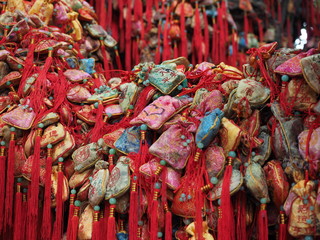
{"x": 154, "y": 215}
{"x": 118, "y": 60}
{"x": 128, "y": 38}
{"x": 168, "y": 224}
{"x": 245, "y": 27}
{"x": 220, "y": 235}
{"x": 283, "y": 227}
{"x": 206, "y": 35}
{"x": 71, "y": 210}
{"x": 226, "y": 206}
{"x": 18, "y": 213}
{"x": 241, "y": 232}
{"x": 143, "y": 100}
{"x": 121, "y": 42}
{"x": 198, "y": 35}
{"x": 96, "y": 224}
{"x": 158, "y": 53}
{"x": 2, "y": 183}
{"x": 96, "y": 132}
{"x": 175, "y": 50}
{"x": 9, "y": 183}
{"x": 149, "y": 14}
{"x": 184, "y": 52}
{"x": 263, "y": 222}
{"x": 74, "y": 222}
{"x": 111, "y": 234}
{"x": 46, "y": 216}
{"x": 24, "y": 212}
{"x": 109, "y": 16}
{"x": 102, "y": 13}
{"x": 33, "y": 203}
{"x": 104, "y": 227}
{"x": 58, "y": 225}
{"x": 166, "y": 47}
{"x": 40, "y": 86}
{"x": 260, "y": 28}
{"x": 105, "y": 60}
{"x": 133, "y": 210}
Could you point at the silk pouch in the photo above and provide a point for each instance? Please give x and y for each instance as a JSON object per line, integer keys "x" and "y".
{"x": 119, "y": 181}
{"x": 159, "y": 111}
{"x": 311, "y": 71}
{"x": 209, "y": 127}
{"x": 98, "y": 183}
{"x": 174, "y": 146}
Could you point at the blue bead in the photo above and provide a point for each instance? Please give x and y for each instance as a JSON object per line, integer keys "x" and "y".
{"x": 183, "y": 195}
{"x": 180, "y": 199}
{"x": 285, "y": 78}
{"x": 140, "y": 223}
{"x": 77, "y": 203}
{"x": 2, "y": 143}
{"x": 96, "y": 208}
{"x": 219, "y": 202}
{"x": 112, "y": 201}
{"x": 263, "y": 200}
{"x": 183, "y": 137}
{"x": 309, "y": 221}
{"x": 73, "y": 191}
{"x": 135, "y": 178}
{"x": 200, "y": 145}
{"x": 253, "y": 154}
{"x": 311, "y": 208}
{"x": 49, "y": 145}
{"x": 185, "y": 144}
{"x": 232, "y": 154}
{"x": 12, "y": 129}
{"x": 19, "y": 180}
{"x": 188, "y": 141}
{"x": 305, "y": 201}
{"x": 163, "y": 162}
{"x": 308, "y": 238}
{"x": 112, "y": 151}
{"x": 159, "y": 234}
{"x": 40, "y": 125}
{"x": 144, "y": 127}
{"x": 157, "y": 185}
{"x": 189, "y": 197}
{"x": 214, "y": 180}
{"x": 60, "y": 159}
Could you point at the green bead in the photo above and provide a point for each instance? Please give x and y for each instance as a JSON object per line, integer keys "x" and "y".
{"x": 143, "y": 127}
{"x": 70, "y": 46}
{"x": 77, "y": 203}
{"x": 100, "y": 38}
{"x": 140, "y": 223}
{"x": 200, "y": 145}
{"x": 185, "y": 144}
{"x": 232, "y": 154}
{"x": 308, "y": 238}
{"x": 285, "y": 78}
{"x": 214, "y": 180}
{"x": 25, "y": 190}
{"x": 309, "y": 221}
{"x": 96, "y": 208}
{"x": 16, "y": 29}
{"x": 183, "y": 137}
{"x": 12, "y": 129}
{"x": 263, "y": 200}
{"x": 96, "y": 105}
{"x": 2, "y": 143}
{"x": 311, "y": 208}
{"x": 60, "y": 159}
{"x": 19, "y": 66}
{"x": 163, "y": 162}
{"x": 159, "y": 235}
{"x": 73, "y": 191}
{"x": 84, "y": 80}
{"x": 112, "y": 151}
{"x": 50, "y": 48}
{"x": 131, "y": 107}
{"x": 112, "y": 201}
{"x": 49, "y": 145}
{"x": 40, "y": 125}
{"x": 253, "y": 154}
{"x": 19, "y": 180}
{"x": 157, "y": 185}
{"x": 8, "y": 83}
{"x": 219, "y": 202}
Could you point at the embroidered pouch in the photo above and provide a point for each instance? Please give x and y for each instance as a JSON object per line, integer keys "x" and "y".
{"x": 22, "y": 27}
{"x": 96, "y": 31}
{"x": 264, "y": 150}
{"x": 301, "y": 207}
{"x": 119, "y": 181}
{"x": 128, "y": 95}
{"x": 254, "y": 91}
{"x": 292, "y": 66}
{"x": 314, "y": 144}
{"x": 64, "y": 147}
{"x": 4, "y": 102}
{"x": 13, "y": 77}
{"x": 165, "y": 77}
{"x": 230, "y": 135}
{"x": 300, "y": 95}
{"x": 215, "y": 160}
{"x": 86, "y": 223}
{"x": 87, "y": 113}
{"x": 103, "y": 94}
{"x": 75, "y": 75}
{"x": 14, "y": 62}
{"x": 45, "y": 45}
{"x": 86, "y": 156}
{"x": 78, "y": 94}
{"x": 235, "y": 184}
{"x": 53, "y": 134}
{"x": 129, "y": 141}
{"x": 311, "y": 70}
{"x": 20, "y": 117}
{"x": 211, "y": 101}
{"x": 172, "y": 179}
{"x": 4, "y": 54}
{"x": 199, "y": 96}
{"x": 159, "y": 111}
{"x": 174, "y": 146}
{"x": 99, "y": 182}
{"x": 79, "y": 178}
{"x": 113, "y": 110}
{"x": 82, "y": 195}
{"x": 123, "y": 203}
{"x": 54, "y": 187}
{"x": 277, "y": 182}
{"x": 209, "y": 127}
{"x": 229, "y": 71}
{"x": 109, "y": 41}
{"x": 20, "y": 159}
{"x": 256, "y": 182}
{"x": 191, "y": 229}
